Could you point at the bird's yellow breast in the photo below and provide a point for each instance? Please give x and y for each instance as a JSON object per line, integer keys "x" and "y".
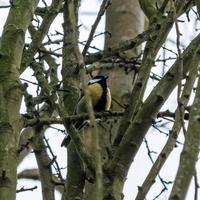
{"x": 96, "y": 92}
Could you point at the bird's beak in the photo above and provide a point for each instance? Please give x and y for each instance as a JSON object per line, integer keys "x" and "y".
{"x": 106, "y": 77}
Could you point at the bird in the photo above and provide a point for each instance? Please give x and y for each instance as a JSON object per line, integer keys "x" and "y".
{"x": 101, "y": 101}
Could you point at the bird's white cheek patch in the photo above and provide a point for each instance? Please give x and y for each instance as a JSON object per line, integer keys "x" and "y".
{"x": 94, "y": 80}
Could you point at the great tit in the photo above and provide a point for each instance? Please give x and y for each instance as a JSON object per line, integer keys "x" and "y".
{"x": 101, "y": 101}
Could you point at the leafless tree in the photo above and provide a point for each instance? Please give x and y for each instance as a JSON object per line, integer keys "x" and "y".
{"x": 99, "y": 156}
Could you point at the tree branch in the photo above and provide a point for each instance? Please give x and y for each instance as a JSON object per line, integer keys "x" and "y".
{"x": 23, "y": 189}
{"x": 39, "y": 35}
{"x": 189, "y": 153}
{"x": 70, "y": 119}
{"x": 101, "y": 12}
{"x": 143, "y": 119}
{"x": 149, "y": 9}
{"x": 171, "y": 142}
{"x": 138, "y": 90}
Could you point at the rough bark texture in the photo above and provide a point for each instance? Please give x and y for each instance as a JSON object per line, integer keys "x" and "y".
{"x": 44, "y": 165}
{"x": 12, "y": 44}
{"x": 98, "y": 159}
{"x": 75, "y": 174}
{"x": 175, "y": 131}
{"x": 190, "y": 152}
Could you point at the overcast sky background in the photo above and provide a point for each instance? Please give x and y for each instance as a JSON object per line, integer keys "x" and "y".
{"x": 156, "y": 140}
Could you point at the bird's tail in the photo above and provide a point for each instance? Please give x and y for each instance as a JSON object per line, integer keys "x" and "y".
{"x": 65, "y": 141}
{"x": 81, "y": 123}
{"x": 78, "y": 125}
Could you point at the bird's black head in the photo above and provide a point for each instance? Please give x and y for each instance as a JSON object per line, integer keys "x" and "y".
{"x": 99, "y": 79}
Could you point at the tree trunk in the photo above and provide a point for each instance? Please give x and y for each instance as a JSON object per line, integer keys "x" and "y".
{"x": 12, "y": 44}
{"x": 124, "y": 20}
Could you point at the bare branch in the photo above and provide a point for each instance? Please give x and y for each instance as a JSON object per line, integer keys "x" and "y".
{"x": 105, "y": 4}
{"x": 23, "y": 189}
{"x": 39, "y": 35}
{"x": 189, "y": 153}
{"x": 143, "y": 120}
{"x": 171, "y": 142}
{"x": 72, "y": 118}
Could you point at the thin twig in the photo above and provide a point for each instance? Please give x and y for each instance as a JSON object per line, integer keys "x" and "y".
{"x": 161, "y": 179}
{"x": 22, "y": 189}
{"x": 34, "y": 83}
{"x": 124, "y": 46}
{"x": 102, "y": 10}
{"x": 180, "y": 68}
{"x": 57, "y": 168}
{"x": 6, "y": 6}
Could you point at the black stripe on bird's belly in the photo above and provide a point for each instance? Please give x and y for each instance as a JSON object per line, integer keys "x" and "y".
{"x": 101, "y": 104}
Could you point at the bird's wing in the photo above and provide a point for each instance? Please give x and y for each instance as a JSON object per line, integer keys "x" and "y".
{"x": 108, "y": 100}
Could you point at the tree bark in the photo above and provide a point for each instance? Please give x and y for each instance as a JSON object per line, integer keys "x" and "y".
{"x": 124, "y": 20}
{"x": 12, "y": 44}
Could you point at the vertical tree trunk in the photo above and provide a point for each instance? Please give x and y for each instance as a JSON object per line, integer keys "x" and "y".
{"x": 124, "y": 20}
{"x": 12, "y": 44}
{"x": 71, "y": 57}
